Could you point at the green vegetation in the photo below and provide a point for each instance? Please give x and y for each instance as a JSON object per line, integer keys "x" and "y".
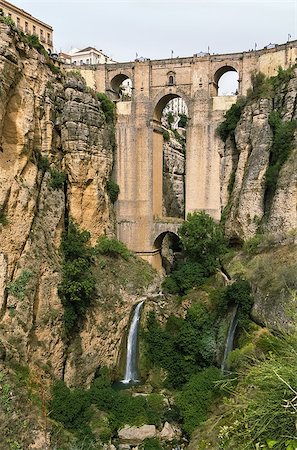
{"x": 57, "y": 179}
{"x": 182, "y": 347}
{"x": 73, "y": 408}
{"x": 43, "y": 162}
{"x": 108, "y": 107}
{"x": 112, "y": 247}
{"x": 282, "y": 144}
{"x": 113, "y": 190}
{"x": 19, "y": 286}
{"x": 34, "y": 42}
{"x": 166, "y": 135}
{"x": 3, "y": 218}
{"x": 77, "y": 288}
{"x": 170, "y": 118}
{"x": 204, "y": 244}
{"x": 232, "y": 117}
{"x": 183, "y": 121}
{"x": 196, "y": 397}
{"x": 261, "y": 411}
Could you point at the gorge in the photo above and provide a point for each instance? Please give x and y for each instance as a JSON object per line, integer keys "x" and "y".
{"x": 68, "y": 286}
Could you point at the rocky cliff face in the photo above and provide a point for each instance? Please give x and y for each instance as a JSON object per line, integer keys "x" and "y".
{"x": 56, "y": 157}
{"x": 244, "y": 164}
{"x": 173, "y": 178}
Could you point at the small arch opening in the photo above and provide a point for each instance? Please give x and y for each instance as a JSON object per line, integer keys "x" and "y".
{"x": 170, "y": 247}
{"x": 121, "y": 85}
{"x": 226, "y": 81}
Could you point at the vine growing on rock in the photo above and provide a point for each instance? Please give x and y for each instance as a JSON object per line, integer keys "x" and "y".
{"x": 282, "y": 145}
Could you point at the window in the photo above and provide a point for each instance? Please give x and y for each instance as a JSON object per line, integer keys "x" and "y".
{"x": 34, "y": 29}
{"x": 26, "y": 27}
{"x": 81, "y": 62}
{"x": 18, "y": 22}
{"x": 88, "y": 61}
{"x": 48, "y": 37}
{"x": 170, "y": 80}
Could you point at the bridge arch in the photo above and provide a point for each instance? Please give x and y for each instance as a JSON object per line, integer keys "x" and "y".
{"x": 168, "y": 160}
{"x": 121, "y": 86}
{"x": 169, "y": 247}
{"x": 232, "y": 82}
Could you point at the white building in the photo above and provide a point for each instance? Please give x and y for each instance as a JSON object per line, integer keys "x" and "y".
{"x": 88, "y": 55}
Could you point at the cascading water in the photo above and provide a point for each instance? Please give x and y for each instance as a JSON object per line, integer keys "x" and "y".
{"x": 131, "y": 358}
{"x": 230, "y": 337}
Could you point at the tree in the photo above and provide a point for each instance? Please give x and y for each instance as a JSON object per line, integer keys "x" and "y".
{"x": 203, "y": 240}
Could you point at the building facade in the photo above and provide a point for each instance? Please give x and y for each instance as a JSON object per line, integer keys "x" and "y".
{"x": 28, "y": 24}
{"x": 86, "y": 56}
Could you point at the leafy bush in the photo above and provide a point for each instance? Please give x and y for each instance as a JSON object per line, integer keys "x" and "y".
{"x": 184, "y": 277}
{"x": 182, "y": 346}
{"x": 3, "y": 219}
{"x": 238, "y": 293}
{"x": 203, "y": 240}
{"x": 43, "y": 163}
{"x": 112, "y": 247}
{"x": 152, "y": 444}
{"x": 166, "y": 135}
{"x": 108, "y": 107}
{"x": 196, "y": 397}
{"x": 57, "y": 179}
{"x": 113, "y": 190}
{"x": 77, "y": 288}
{"x": 170, "y": 118}
{"x": 183, "y": 121}
{"x": 232, "y": 117}
{"x": 34, "y": 42}
{"x": 18, "y": 287}
{"x": 8, "y": 21}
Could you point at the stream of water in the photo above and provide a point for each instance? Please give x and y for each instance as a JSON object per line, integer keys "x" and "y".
{"x": 230, "y": 337}
{"x": 131, "y": 375}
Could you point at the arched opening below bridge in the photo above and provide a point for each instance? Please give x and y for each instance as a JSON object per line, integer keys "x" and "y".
{"x": 169, "y": 157}
{"x": 121, "y": 88}
{"x": 170, "y": 249}
{"x": 226, "y": 81}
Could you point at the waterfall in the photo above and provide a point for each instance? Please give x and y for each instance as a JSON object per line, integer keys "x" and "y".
{"x": 230, "y": 337}
{"x": 131, "y": 358}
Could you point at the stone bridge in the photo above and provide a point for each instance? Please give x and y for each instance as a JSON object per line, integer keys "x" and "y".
{"x": 139, "y": 156}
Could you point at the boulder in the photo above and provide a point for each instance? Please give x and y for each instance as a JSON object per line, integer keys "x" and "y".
{"x": 169, "y": 432}
{"x": 136, "y": 435}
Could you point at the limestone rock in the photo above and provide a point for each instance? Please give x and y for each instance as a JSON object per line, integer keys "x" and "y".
{"x": 136, "y": 435}
{"x": 169, "y": 432}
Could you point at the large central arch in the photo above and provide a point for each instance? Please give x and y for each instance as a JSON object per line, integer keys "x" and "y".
{"x": 158, "y": 142}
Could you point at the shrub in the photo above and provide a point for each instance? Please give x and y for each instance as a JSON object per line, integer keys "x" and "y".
{"x": 43, "y": 163}
{"x": 8, "y": 21}
{"x": 170, "y": 118}
{"x": 112, "y": 247}
{"x": 57, "y": 179}
{"x": 232, "y": 117}
{"x": 113, "y": 190}
{"x": 203, "y": 241}
{"x": 18, "y": 287}
{"x": 3, "y": 219}
{"x": 196, "y": 397}
{"x": 166, "y": 135}
{"x": 238, "y": 293}
{"x": 70, "y": 407}
{"x": 77, "y": 288}
{"x": 34, "y": 42}
{"x": 183, "y": 121}
{"x": 184, "y": 277}
{"x": 108, "y": 107}
{"x": 152, "y": 444}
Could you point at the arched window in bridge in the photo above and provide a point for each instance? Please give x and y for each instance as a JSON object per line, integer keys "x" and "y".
{"x": 226, "y": 81}
{"x": 171, "y": 78}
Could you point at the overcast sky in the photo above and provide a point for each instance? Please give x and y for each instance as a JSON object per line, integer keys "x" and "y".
{"x": 153, "y": 28}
